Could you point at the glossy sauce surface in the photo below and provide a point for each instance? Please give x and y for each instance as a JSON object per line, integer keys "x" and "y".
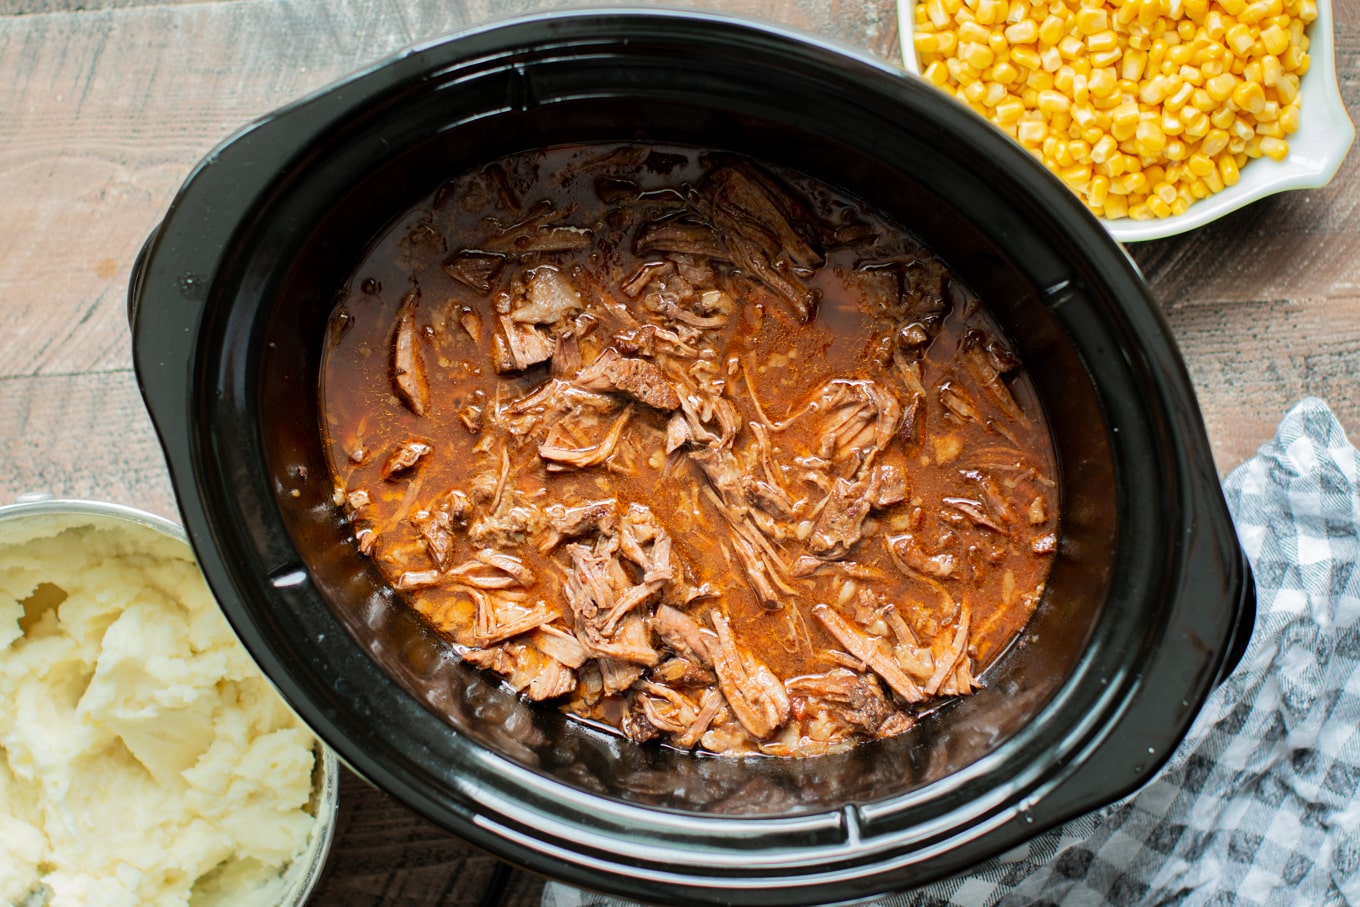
{"x": 690, "y": 447}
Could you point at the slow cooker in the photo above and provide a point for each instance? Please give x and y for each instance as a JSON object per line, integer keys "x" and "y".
{"x": 1149, "y": 601}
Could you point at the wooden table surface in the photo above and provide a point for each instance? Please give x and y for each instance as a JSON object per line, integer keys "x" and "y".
{"x": 105, "y": 105}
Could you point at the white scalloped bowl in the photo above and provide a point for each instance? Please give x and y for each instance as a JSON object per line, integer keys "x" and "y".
{"x": 1315, "y": 152}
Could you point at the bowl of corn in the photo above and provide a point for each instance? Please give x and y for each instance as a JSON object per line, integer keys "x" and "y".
{"x": 1161, "y": 115}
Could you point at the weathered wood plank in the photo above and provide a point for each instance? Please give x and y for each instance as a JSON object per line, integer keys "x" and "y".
{"x": 81, "y": 436}
{"x": 1250, "y": 362}
{"x": 384, "y": 854}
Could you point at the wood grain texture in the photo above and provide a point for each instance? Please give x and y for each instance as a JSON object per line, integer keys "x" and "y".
{"x": 81, "y": 436}
{"x": 389, "y": 856}
{"x": 108, "y": 104}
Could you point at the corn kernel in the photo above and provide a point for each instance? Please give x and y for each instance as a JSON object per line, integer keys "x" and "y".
{"x": 1104, "y": 149}
{"x": 1196, "y": 124}
{"x": 1052, "y": 30}
{"x": 1239, "y": 38}
{"x": 1178, "y": 98}
{"x": 1214, "y": 142}
{"x": 1271, "y": 70}
{"x": 1221, "y": 87}
{"x": 1227, "y": 168}
{"x": 1156, "y": 53}
{"x": 1179, "y": 55}
{"x": 1005, "y": 73}
{"x": 1009, "y": 110}
{"x": 1038, "y": 80}
{"x": 1098, "y": 190}
{"x": 1275, "y": 39}
{"x": 1214, "y": 27}
{"x": 1192, "y": 75}
{"x": 1249, "y": 96}
{"x": 1031, "y": 132}
{"x": 1255, "y": 12}
{"x": 926, "y": 42}
{"x": 1102, "y": 41}
{"x": 1053, "y": 102}
{"x": 1084, "y": 116}
{"x": 960, "y": 71}
{"x": 1134, "y": 64}
{"x": 1077, "y": 175}
{"x": 971, "y": 32}
{"x": 1023, "y": 32}
{"x": 1153, "y": 91}
{"x": 1149, "y": 138}
{"x": 989, "y": 12}
{"x": 1223, "y": 117}
{"x": 1102, "y": 82}
{"x": 1199, "y": 164}
{"x": 1273, "y": 148}
{"x": 1091, "y": 20}
{"x": 1116, "y": 207}
{"x": 1025, "y": 57}
{"x": 1103, "y": 58}
{"x": 1289, "y": 120}
{"x": 978, "y": 56}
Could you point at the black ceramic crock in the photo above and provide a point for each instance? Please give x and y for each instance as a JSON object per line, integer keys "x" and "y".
{"x": 1149, "y": 601}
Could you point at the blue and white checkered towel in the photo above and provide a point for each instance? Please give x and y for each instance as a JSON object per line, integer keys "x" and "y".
{"x": 1260, "y": 805}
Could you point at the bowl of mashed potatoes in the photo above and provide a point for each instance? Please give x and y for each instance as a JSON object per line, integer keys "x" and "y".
{"x": 144, "y": 759}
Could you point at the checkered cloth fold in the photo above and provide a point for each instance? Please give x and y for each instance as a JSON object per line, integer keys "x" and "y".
{"x": 1260, "y": 804}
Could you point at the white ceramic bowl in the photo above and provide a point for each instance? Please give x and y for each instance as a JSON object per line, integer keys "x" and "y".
{"x": 1315, "y": 152}
{"x": 39, "y": 516}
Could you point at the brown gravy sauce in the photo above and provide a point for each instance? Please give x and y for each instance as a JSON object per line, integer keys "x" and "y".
{"x": 698, "y": 449}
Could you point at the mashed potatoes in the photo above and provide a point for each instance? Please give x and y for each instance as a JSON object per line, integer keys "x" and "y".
{"x": 143, "y": 758}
